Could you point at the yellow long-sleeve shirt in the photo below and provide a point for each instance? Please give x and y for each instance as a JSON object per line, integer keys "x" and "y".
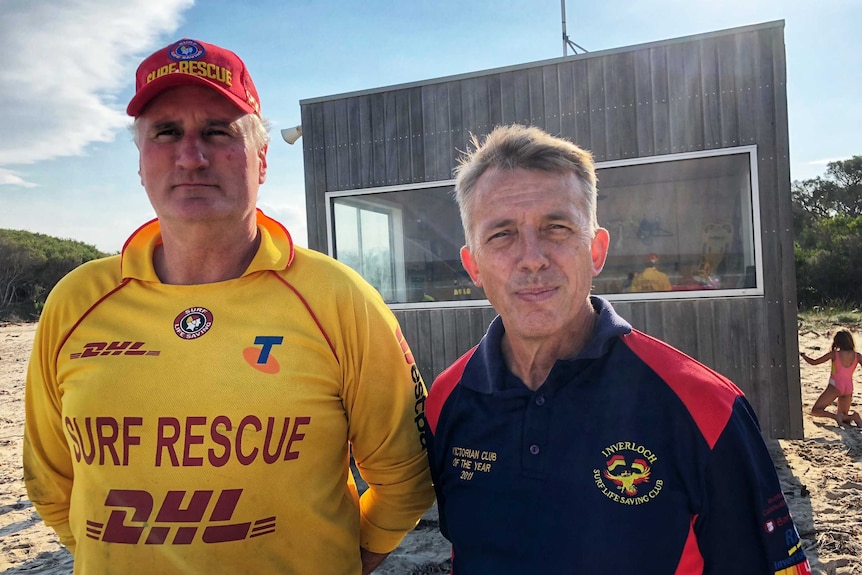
{"x": 208, "y": 428}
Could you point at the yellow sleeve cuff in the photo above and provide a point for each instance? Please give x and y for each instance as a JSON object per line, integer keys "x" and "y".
{"x": 64, "y": 533}
{"x": 377, "y": 540}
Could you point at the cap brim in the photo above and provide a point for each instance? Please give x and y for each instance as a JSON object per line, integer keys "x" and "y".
{"x": 152, "y": 89}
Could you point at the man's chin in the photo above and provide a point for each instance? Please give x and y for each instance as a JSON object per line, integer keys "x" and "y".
{"x": 536, "y": 325}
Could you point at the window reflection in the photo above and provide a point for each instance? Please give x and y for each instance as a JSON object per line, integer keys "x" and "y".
{"x": 366, "y": 242}
{"x": 680, "y": 225}
{"x": 406, "y": 243}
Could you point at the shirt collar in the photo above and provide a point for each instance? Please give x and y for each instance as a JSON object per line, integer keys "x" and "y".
{"x": 486, "y": 370}
{"x": 275, "y": 252}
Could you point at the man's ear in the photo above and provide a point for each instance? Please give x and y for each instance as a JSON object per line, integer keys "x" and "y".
{"x": 599, "y": 250}
{"x": 262, "y": 167}
{"x": 469, "y": 264}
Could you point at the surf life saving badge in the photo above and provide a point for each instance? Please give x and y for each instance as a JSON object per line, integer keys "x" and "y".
{"x": 193, "y": 322}
{"x": 626, "y": 476}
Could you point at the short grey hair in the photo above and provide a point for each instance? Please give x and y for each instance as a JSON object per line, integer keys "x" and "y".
{"x": 516, "y": 146}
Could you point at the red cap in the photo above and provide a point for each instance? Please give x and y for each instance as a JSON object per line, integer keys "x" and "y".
{"x": 192, "y": 62}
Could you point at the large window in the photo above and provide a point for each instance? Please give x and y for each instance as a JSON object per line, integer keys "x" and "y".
{"x": 682, "y": 223}
{"x": 681, "y": 226}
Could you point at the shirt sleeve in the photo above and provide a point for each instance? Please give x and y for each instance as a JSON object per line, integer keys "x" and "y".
{"x": 47, "y": 460}
{"x": 746, "y": 527}
{"x": 384, "y": 397}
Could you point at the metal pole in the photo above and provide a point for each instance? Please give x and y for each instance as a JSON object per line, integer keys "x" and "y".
{"x": 565, "y": 37}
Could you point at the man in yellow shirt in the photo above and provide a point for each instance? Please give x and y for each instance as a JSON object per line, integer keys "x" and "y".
{"x": 192, "y": 403}
{"x": 651, "y": 279}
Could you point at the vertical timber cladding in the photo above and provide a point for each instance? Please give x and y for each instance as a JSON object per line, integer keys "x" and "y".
{"x": 716, "y": 90}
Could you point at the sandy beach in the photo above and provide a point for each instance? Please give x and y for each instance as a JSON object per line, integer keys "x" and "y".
{"x": 821, "y": 476}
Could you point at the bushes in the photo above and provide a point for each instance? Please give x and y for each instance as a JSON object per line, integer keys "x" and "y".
{"x": 30, "y": 266}
{"x": 831, "y": 267}
{"x": 827, "y": 225}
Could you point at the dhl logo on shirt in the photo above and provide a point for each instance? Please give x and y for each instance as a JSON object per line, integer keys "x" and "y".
{"x": 181, "y": 516}
{"x": 103, "y": 348}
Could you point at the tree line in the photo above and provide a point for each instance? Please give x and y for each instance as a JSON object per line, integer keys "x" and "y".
{"x": 31, "y": 265}
{"x": 827, "y": 227}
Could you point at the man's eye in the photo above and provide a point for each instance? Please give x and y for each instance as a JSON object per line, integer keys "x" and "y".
{"x": 218, "y": 131}
{"x": 167, "y": 133}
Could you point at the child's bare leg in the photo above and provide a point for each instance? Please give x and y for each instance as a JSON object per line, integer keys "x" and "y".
{"x": 826, "y": 399}
{"x": 845, "y": 416}
{"x": 848, "y": 416}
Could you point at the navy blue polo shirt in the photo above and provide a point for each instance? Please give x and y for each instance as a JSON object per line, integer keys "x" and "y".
{"x": 631, "y": 457}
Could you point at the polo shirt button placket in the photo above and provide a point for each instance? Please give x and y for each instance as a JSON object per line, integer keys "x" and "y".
{"x": 537, "y": 416}
{"x": 540, "y": 401}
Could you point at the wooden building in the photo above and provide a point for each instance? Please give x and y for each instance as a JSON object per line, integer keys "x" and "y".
{"x": 691, "y": 143}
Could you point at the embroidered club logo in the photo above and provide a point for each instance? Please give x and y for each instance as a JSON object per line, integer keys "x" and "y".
{"x": 187, "y": 50}
{"x": 626, "y": 476}
{"x": 193, "y": 322}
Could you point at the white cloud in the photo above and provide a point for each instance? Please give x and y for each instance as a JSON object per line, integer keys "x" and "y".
{"x": 63, "y": 62}
{"x": 8, "y": 177}
{"x": 825, "y": 161}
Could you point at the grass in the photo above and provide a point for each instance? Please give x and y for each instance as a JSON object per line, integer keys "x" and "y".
{"x": 837, "y": 313}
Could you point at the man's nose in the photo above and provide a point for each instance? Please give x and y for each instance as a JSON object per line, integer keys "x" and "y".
{"x": 192, "y": 153}
{"x": 532, "y": 250}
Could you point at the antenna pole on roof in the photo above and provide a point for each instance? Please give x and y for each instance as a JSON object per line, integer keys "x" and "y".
{"x": 567, "y": 42}
{"x": 565, "y": 36}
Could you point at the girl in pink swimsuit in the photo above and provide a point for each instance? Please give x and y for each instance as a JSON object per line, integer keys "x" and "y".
{"x": 844, "y": 361}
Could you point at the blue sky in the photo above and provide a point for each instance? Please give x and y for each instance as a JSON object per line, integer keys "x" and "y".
{"x": 68, "y": 166}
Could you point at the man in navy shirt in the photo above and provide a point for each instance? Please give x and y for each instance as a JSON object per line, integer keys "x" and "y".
{"x": 566, "y": 441}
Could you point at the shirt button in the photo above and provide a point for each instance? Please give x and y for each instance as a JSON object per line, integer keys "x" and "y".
{"x": 534, "y": 449}
{"x": 540, "y": 400}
